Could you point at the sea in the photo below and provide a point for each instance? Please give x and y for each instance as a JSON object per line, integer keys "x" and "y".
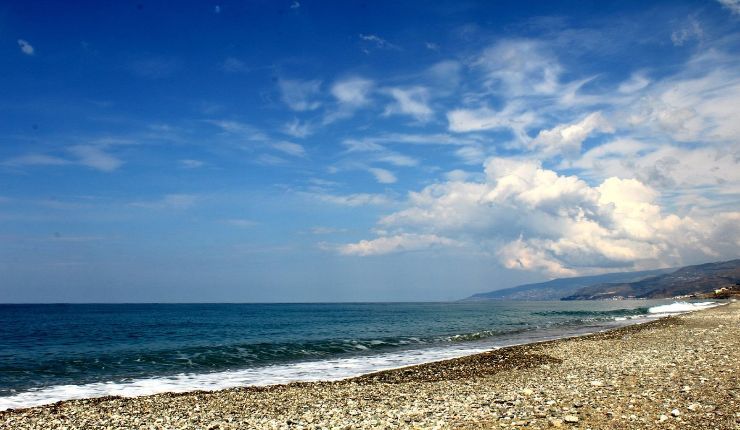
{"x": 67, "y": 351}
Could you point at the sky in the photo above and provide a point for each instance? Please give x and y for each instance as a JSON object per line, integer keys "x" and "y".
{"x": 303, "y": 151}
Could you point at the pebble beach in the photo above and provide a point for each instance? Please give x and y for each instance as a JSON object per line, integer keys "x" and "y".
{"x": 677, "y": 372}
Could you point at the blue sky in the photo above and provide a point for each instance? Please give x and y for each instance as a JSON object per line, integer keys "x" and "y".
{"x": 360, "y": 151}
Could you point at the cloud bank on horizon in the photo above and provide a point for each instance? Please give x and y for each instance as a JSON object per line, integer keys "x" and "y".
{"x": 306, "y": 146}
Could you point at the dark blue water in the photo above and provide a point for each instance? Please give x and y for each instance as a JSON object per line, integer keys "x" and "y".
{"x": 54, "y": 347}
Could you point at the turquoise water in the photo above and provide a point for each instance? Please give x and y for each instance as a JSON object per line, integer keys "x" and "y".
{"x": 54, "y": 352}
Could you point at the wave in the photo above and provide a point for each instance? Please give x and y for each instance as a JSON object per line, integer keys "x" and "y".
{"x": 681, "y": 307}
{"x": 324, "y": 370}
{"x": 607, "y": 314}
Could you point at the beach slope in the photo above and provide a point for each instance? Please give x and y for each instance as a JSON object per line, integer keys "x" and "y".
{"x": 677, "y": 372}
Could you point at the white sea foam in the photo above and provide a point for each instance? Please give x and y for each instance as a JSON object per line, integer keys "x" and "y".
{"x": 680, "y": 307}
{"x": 325, "y": 370}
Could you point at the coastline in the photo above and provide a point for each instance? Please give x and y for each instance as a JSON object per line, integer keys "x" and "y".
{"x": 673, "y": 371}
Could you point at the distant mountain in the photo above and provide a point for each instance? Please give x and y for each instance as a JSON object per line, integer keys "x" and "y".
{"x": 559, "y": 288}
{"x": 699, "y": 279}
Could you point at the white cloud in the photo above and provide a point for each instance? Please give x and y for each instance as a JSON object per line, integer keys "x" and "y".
{"x": 375, "y": 41}
{"x": 383, "y": 176}
{"x": 352, "y": 200}
{"x": 320, "y": 230}
{"x": 235, "y": 65}
{"x": 397, "y": 243}
{"x": 297, "y": 128}
{"x": 290, "y": 148}
{"x": 566, "y": 139}
{"x": 732, "y": 5}
{"x": 636, "y": 82}
{"x": 242, "y": 222}
{"x": 85, "y": 155}
{"x": 191, "y": 164}
{"x": 36, "y": 160}
{"x": 412, "y": 101}
{"x": 169, "y": 201}
{"x": 352, "y": 92}
{"x": 96, "y": 158}
{"x": 512, "y": 117}
{"x": 270, "y": 160}
{"x": 663, "y": 166}
{"x": 532, "y": 218}
{"x": 300, "y": 95}
{"x": 155, "y": 67}
{"x": 377, "y": 152}
{"x": 238, "y": 128}
{"x": 690, "y": 31}
{"x": 26, "y": 47}
{"x": 520, "y": 67}
{"x": 697, "y": 104}
{"x": 445, "y": 74}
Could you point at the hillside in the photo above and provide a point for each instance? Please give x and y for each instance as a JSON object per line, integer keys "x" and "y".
{"x": 689, "y": 280}
{"x": 558, "y": 288}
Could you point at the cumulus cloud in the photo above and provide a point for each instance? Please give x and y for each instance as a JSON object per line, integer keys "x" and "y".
{"x": 532, "y": 218}
{"x": 26, "y": 47}
{"x": 566, "y": 139}
{"x": 300, "y": 95}
{"x": 412, "y": 101}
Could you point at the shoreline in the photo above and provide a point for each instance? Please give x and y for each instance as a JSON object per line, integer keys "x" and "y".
{"x": 486, "y": 390}
{"x": 206, "y": 380}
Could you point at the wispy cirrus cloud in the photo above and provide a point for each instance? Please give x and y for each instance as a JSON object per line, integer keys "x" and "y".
{"x": 373, "y": 41}
{"x": 290, "y": 148}
{"x": 154, "y": 67}
{"x": 383, "y": 176}
{"x": 350, "y": 200}
{"x": 92, "y": 156}
{"x": 169, "y": 202}
{"x": 412, "y": 101}
{"x": 300, "y": 95}
{"x": 731, "y": 5}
